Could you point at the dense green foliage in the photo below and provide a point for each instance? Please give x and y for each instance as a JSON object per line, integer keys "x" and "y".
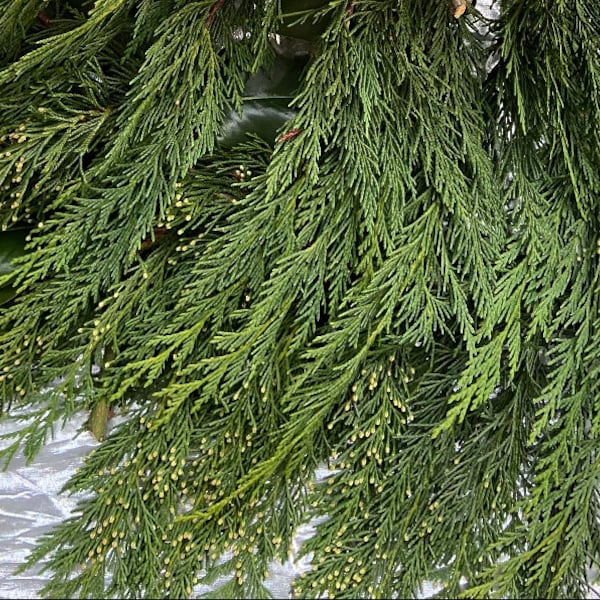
{"x": 278, "y": 234}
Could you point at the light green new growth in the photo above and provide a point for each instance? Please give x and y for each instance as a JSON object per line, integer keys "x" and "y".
{"x": 275, "y": 235}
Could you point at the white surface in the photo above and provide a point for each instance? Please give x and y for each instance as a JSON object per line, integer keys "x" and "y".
{"x": 30, "y": 502}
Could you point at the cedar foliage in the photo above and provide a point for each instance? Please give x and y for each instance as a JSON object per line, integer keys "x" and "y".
{"x": 274, "y": 235}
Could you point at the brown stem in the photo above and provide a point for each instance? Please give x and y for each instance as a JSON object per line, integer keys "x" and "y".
{"x": 288, "y": 135}
{"x": 98, "y": 419}
{"x": 44, "y": 20}
{"x": 212, "y": 13}
{"x": 457, "y": 7}
{"x": 158, "y": 233}
{"x": 349, "y": 13}
{"x": 101, "y": 412}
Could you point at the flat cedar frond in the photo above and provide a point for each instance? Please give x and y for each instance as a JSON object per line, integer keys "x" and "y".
{"x": 281, "y": 235}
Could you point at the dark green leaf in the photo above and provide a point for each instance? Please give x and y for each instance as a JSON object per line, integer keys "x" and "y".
{"x": 266, "y": 109}
{"x": 282, "y": 79}
{"x": 12, "y": 245}
{"x": 303, "y": 20}
{"x": 261, "y": 117}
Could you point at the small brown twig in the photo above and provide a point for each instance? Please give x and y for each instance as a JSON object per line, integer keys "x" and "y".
{"x": 457, "y": 7}
{"x": 212, "y": 13}
{"x": 158, "y": 233}
{"x": 101, "y": 411}
{"x": 349, "y": 13}
{"x": 288, "y": 135}
{"x": 44, "y": 20}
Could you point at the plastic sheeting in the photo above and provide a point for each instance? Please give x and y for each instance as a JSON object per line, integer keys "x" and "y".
{"x": 31, "y": 503}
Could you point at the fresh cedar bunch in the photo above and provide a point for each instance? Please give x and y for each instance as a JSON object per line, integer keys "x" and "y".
{"x": 274, "y": 235}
